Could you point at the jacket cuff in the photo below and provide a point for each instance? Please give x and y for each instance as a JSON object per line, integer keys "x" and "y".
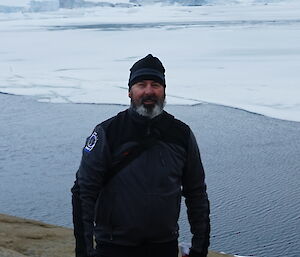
{"x": 193, "y": 253}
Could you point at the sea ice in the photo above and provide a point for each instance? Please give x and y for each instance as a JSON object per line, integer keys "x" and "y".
{"x": 244, "y": 55}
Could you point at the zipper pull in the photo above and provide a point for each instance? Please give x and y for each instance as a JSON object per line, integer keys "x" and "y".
{"x": 148, "y": 128}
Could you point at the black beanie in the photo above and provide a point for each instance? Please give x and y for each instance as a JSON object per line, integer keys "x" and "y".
{"x": 147, "y": 68}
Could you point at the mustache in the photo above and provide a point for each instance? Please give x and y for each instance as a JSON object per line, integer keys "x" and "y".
{"x": 149, "y": 98}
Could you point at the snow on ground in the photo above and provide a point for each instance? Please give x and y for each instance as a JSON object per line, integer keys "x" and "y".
{"x": 244, "y": 55}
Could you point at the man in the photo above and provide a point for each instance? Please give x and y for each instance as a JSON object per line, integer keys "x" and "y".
{"x": 134, "y": 169}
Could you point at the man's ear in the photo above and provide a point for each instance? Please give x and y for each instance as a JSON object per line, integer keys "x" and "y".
{"x": 129, "y": 94}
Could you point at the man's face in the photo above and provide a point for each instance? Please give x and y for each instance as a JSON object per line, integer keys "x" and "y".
{"x": 147, "y": 98}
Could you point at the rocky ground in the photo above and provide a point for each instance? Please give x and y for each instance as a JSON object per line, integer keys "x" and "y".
{"x": 22, "y": 238}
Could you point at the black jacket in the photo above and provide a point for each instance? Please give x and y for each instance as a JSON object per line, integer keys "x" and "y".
{"x": 141, "y": 203}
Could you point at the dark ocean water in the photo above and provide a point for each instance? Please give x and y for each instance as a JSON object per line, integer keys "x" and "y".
{"x": 252, "y": 166}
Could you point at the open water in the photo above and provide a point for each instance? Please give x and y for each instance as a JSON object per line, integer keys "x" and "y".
{"x": 252, "y": 166}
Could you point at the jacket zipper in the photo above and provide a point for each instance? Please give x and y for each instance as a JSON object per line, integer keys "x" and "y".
{"x": 148, "y": 130}
{"x": 110, "y": 223}
{"x": 111, "y": 234}
{"x": 162, "y": 159}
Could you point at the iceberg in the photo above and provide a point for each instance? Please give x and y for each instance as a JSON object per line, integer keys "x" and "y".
{"x": 7, "y": 6}
{"x": 180, "y": 2}
{"x": 29, "y": 6}
{"x": 9, "y": 9}
{"x": 15, "y": 3}
{"x": 44, "y": 6}
{"x": 70, "y": 4}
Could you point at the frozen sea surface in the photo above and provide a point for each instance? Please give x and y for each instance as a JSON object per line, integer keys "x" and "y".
{"x": 252, "y": 167}
{"x": 244, "y": 55}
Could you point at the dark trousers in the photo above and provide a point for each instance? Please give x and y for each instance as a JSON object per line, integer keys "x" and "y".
{"x": 169, "y": 249}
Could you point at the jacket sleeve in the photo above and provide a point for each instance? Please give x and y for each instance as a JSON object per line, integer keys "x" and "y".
{"x": 87, "y": 187}
{"x": 194, "y": 191}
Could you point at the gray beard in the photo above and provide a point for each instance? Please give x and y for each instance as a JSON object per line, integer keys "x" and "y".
{"x": 150, "y": 112}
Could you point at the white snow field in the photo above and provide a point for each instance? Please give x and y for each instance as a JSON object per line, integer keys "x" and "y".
{"x": 243, "y": 54}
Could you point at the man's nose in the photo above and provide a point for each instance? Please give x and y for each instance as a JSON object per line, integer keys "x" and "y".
{"x": 149, "y": 89}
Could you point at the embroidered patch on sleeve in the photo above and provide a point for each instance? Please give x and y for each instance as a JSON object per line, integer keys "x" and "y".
{"x": 91, "y": 142}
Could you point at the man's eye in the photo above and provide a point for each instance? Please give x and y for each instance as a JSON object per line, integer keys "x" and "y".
{"x": 156, "y": 85}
